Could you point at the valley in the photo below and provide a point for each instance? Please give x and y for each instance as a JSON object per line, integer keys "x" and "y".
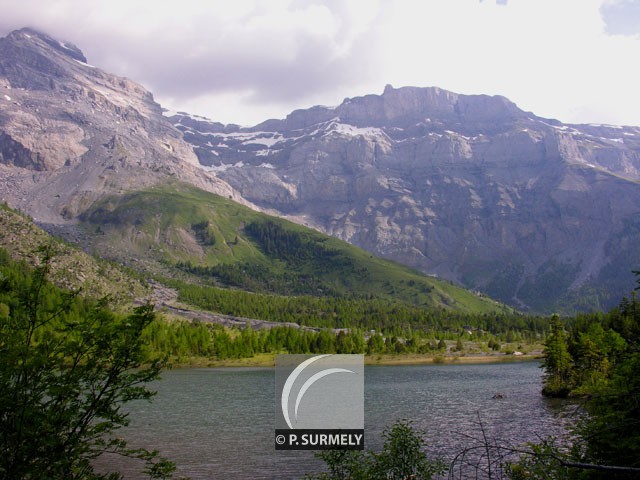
{"x": 416, "y": 227}
{"x": 534, "y": 213}
{"x": 527, "y": 210}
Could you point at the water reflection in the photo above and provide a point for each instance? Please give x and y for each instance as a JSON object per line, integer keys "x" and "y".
{"x": 218, "y": 423}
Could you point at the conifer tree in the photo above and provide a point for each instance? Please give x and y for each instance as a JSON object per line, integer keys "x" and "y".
{"x": 558, "y": 362}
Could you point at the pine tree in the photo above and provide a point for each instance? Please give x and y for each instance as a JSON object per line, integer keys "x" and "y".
{"x": 558, "y": 361}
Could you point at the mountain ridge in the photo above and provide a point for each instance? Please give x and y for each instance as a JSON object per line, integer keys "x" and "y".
{"x": 468, "y": 187}
{"x": 90, "y": 157}
{"x": 70, "y": 132}
{"x": 536, "y": 213}
{"x": 179, "y": 231}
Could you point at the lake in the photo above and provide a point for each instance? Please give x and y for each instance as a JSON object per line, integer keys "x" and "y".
{"x": 218, "y": 423}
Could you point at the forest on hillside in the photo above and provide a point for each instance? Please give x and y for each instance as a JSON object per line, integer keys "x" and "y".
{"x": 68, "y": 365}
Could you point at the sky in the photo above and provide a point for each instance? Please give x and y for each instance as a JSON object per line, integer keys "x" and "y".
{"x": 245, "y": 61}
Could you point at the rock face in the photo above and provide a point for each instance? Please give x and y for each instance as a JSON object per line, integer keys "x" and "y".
{"x": 70, "y": 133}
{"x": 541, "y": 215}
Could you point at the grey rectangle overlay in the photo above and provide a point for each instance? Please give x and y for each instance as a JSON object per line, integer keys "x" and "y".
{"x": 322, "y": 395}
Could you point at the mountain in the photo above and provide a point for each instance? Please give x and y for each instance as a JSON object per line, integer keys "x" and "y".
{"x": 90, "y": 157}
{"x": 71, "y": 268}
{"x": 71, "y": 133}
{"x": 539, "y": 214}
{"x": 176, "y": 230}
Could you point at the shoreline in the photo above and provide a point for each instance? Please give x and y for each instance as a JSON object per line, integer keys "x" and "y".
{"x": 417, "y": 359}
{"x": 268, "y": 360}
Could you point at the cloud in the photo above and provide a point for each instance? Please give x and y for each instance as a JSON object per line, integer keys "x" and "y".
{"x": 622, "y": 17}
{"x": 267, "y": 52}
{"x": 281, "y": 53}
{"x": 550, "y": 57}
{"x": 248, "y": 60}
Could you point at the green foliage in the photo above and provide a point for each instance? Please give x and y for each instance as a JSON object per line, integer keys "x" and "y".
{"x": 204, "y": 234}
{"x": 182, "y": 340}
{"x": 580, "y": 360}
{"x": 504, "y": 284}
{"x": 293, "y": 246}
{"x": 611, "y": 430}
{"x": 598, "y": 359}
{"x": 175, "y": 229}
{"x": 609, "y": 359}
{"x": 258, "y": 277}
{"x": 340, "y": 312}
{"x": 542, "y": 462}
{"x": 596, "y": 351}
{"x": 344, "y": 465}
{"x": 375, "y": 344}
{"x": 73, "y": 268}
{"x": 558, "y": 363}
{"x": 401, "y": 457}
{"x": 67, "y": 366}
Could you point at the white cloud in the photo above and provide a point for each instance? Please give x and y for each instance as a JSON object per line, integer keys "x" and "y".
{"x": 244, "y": 61}
{"x": 550, "y": 57}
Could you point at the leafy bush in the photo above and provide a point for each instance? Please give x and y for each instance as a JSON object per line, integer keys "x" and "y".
{"x": 67, "y": 366}
{"x": 401, "y": 457}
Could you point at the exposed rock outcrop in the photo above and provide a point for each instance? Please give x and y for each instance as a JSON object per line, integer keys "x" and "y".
{"x": 534, "y": 212}
{"x": 71, "y": 133}
{"x": 531, "y": 211}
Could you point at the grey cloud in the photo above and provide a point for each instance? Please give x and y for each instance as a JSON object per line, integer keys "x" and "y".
{"x": 205, "y": 56}
{"x": 314, "y": 68}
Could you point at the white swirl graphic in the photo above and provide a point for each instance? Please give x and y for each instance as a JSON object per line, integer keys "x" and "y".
{"x": 288, "y": 385}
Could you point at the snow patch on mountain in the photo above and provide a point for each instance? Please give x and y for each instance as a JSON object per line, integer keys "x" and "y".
{"x": 353, "y": 131}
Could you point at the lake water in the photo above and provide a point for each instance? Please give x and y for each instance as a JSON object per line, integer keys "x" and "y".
{"x": 218, "y": 423}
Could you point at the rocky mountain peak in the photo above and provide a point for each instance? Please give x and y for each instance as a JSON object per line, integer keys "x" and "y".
{"x": 468, "y": 187}
{"x": 33, "y": 60}
{"x": 34, "y": 36}
{"x": 84, "y": 131}
{"x": 406, "y": 106}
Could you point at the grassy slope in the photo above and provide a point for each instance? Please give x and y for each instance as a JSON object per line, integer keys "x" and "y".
{"x": 154, "y": 230}
{"x": 72, "y": 268}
